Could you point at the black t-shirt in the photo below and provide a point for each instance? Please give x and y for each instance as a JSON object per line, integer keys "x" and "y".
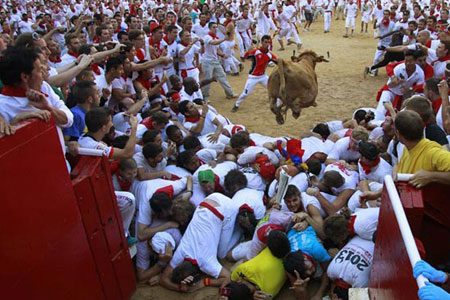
{"x": 434, "y": 133}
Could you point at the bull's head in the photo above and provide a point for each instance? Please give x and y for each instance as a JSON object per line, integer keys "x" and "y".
{"x": 321, "y": 59}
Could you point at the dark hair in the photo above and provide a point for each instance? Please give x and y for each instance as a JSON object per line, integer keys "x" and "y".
{"x": 265, "y": 37}
{"x": 160, "y": 202}
{"x": 171, "y": 27}
{"x": 184, "y": 158}
{"x": 121, "y": 34}
{"x": 239, "y": 291}
{"x": 432, "y": 85}
{"x": 291, "y": 191}
{"x": 185, "y": 269}
{"x": 333, "y": 179}
{"x": 160, "y": 118}
{"x": 151, "y": 150}
{"x": 295, "y": 261}
{"x": 14, "y": 62}
{"x": 126, "y": 164}
{"x": 323, "y": 130}
{"x": 113, "y": 63}
{"x": 191, "y": 142}
{"x": 211, "y": 24}
{"x": 182, "y": 107}
{"x": 235, "y": 180}
{"x": 171, "y": 130}
{"x": 83, "y": 90}
{"x": 410, "y": 53}
{"x": 409, "y": 124}
{"x": 120, "y": 141}
{"x": 240, "y": 139}
{"x": 368, "y": 150}
{"x": 360, "y": 115}
{"x": 336, "y": 226}
{"x": 278, "y": 243}
{"x": 422, "y": 106}
{"x": 314, "y": 166}
{"x": 341, "y": 292}
{"x": 96, "y": 118}
{"x": 149, "y": 136}
{"x": 134, "y": 34}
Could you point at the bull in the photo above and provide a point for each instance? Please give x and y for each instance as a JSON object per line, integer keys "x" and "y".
{"x": 295, "y": 84}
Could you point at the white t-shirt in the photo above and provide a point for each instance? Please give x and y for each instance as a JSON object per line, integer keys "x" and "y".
{"x": 366, "y": 222}
{"x": 89, "y": 142}
{"x": 142, "y": 163}
{"x": 253, "y": 198}
{"x": 351, "y": 177}
{"x": 221, "y": 170}
{"x": 210, "y": 50}
{"x": 249, "y": 155}
{"x": 188, "y": 57}
{"x": 353, "y": 263}
{"x": 377, "y": 173}
{"x": 208, "y": 127}
{"x": 341, "y": 151}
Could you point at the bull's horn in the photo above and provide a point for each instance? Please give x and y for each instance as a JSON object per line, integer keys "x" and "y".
{"x": 293, "y": 52}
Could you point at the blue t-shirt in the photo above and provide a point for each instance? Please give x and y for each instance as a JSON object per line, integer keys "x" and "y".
{"x": 309, "y": 243}
{"x": 78, "y": 126}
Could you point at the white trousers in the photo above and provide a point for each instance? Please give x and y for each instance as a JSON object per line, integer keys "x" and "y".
{"x": 244, "y": 41}
{"x": 326, "y": 21}
{"x": 380, "y": 113}
{"x": 252, "y": 81}
{"x": 348, "y": 21}
{"x": 127, "y": 206}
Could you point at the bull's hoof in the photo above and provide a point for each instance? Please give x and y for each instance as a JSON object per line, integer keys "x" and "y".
{"x": 314, "y": 104}
{"x": 280, "y": 119}
{"x": 296, "y": 114}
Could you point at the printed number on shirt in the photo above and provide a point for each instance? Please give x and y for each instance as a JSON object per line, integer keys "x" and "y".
{"x": 354, "y": 259}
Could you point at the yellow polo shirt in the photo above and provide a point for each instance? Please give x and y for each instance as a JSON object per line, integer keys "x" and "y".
{"x": 426, "y": 155}
{"x": 264, "y": 270}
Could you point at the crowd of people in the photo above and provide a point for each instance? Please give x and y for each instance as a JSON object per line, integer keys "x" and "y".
{"x": 132, "y": 79}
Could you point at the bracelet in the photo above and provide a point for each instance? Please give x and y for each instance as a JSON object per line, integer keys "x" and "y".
{"x": 206, "y": 282}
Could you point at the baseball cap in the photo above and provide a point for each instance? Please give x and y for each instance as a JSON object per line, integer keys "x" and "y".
{"x": 154, "y": 26}
{"x": 206, "y": 176}
{"x": 175, "y": 97}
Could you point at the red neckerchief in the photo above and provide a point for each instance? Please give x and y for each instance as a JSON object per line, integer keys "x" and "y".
{"x": 351, "y": 226}
{"x": 431, "y": 12}
{"x": 392, "y": 16}
{"x": 193, "y": 119}
{"x": 14, "y": 91}
{"x": 55, "y": 60}
{"x": 167, "y": 190}
{"x": 385, "y": 22}
{"x": 184, "y": 44}
{"x": 436, "y": 104}
{"x": 267, "y": 15}
{"x": 147, "y": 122}
{"x": 96, "y": 69}
{"x": 125, "y": 77}
{"x": 145, "y": 83}
{"x": 442, "y": 59}
{"x": 151, "y": 42}
{"x": 124, "y": 185}
{"x": 176, "y": 111}
{"x": 263, "y": 51}
{"x": 201, "y": 162}
{"x": 252, "y": 143}
{"x": 73, "y": 10}
{"x": 245, "y": 18}
{"x": 203, "y": 25}
{"x": 368, "y": 168}
{"x": 96, "y": 40}
{"x": 227, "y": 22}
{"x": 117, "y": 30}
{"x": 71, "y": 53}
{"x": 140, "y": 54}
{"x": 165, "y": 38}
{"x": 217, "y": 186}
{"x": 428, "y": 44}
{"x": 215, "y": 37}
{"x": 193, "y": 261}
{"x": 379, "y": 6}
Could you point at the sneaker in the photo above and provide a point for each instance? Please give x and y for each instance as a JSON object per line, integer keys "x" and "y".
{"x": 290, "y": 42}
{"x": 352, "y": 35}
{"x": 281, "y": 49}
{"x": 271, "y": 64}
{"x": 241, "y": 67}
{"x": 345, "y": 36}
{"x": 235, "y": 74}
{"x": 366, "y": 71}
{"x": 232, "y": 96}
{"x": 372, "y": 73}
{"x": 234, "y": 109}
{"x": 299, "y": 46}
{"x": 242, "y": 59}
{"x": 131, "y": 240}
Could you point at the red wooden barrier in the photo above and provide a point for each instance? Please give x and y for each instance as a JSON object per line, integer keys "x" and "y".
{"x": 427, "y": 211}
{"x": 44, "y": 251}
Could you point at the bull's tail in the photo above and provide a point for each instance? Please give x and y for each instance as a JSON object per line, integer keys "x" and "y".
{"x": 282, "y": 90}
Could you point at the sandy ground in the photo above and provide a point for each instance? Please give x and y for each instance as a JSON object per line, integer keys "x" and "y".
{"x": 342, "y": 89}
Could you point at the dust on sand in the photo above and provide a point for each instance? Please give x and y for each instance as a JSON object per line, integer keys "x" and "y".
{"x": 342, "y": 89}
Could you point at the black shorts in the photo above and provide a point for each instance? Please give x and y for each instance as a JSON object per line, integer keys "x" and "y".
{"x": 308, "y": 16}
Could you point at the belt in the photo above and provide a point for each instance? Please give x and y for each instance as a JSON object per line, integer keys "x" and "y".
{"x": 328, "y": 11}
{"x": 189, "y": 69}
{"x": 212, "y": 209}
{"x": 342, "y": 284}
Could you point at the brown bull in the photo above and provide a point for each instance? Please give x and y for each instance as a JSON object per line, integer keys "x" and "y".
{"x": 295, "y": 84}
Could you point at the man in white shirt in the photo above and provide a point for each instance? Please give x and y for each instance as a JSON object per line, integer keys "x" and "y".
{"x": 351, "y": 9}
{"x": 406, "y": 76}
{"x": 211, "y": 64}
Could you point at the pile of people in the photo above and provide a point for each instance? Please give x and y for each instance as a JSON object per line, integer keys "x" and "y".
{"x": 132, "y": 80}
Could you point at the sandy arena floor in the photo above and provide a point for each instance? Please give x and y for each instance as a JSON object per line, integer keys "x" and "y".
{"x": 342, "y": 89}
